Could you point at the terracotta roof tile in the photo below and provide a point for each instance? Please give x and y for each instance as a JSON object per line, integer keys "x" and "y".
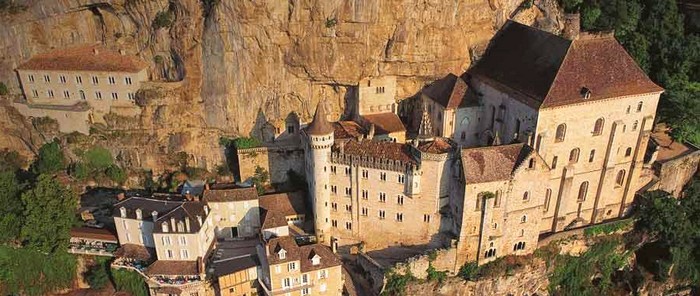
{"x": 436, "y": 146}
{"x": 493, "y": 163}
{"x": 320, "y": 124}
{"x": 348, "y": 130}
{"x": 552, "y": 70}
{"x": 302, "y": 254}
{"x": 172, "y": 267}
{"x": 189, "y": 210}
{"x": 234, "y": 194}
{"x": 274, "y": 208}
{"x": 137, "y": 252}
{"x": 377, "y": 149}
{"x": 385, "y": 123}
{"x": 84, "y": 58}
{"x": 93, "y": 233}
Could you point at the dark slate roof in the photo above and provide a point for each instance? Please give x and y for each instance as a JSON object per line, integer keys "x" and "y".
{"x": 234, "y": 256}
{"x": 320, "y": 124}
{"x": 451, "y": 92}
{"x": 147, "y": 206}
{"x": 233, "y": 194}
{"x": 493, "y": 163}
{"x": 84, "y": 58}
{"x": 385, "y": 123}
{"x": 187, "y": 210}
{"x": 549, "y": 70}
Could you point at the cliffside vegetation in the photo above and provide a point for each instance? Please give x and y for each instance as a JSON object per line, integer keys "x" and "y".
{"x": 665, "y": 46}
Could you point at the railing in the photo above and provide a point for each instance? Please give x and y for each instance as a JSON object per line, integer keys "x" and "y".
{"x": 97, "y": 249}
{"x": 293, "y": 288}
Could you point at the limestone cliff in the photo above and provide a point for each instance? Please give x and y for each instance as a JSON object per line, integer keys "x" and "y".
{"x": 237, "y": 60}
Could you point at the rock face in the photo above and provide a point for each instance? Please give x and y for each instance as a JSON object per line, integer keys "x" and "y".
{"x": 237, "y": 59}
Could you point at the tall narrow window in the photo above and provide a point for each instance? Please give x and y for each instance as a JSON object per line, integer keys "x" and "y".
{"x": 628, "y": 152}
{"x": 127, "y": 80}
{"x": 635, "y": 125}
{"x": 497, "y": 199}
{"x": 583, "y": 191}
{"x": 526, "y": 196}
{"x": 78, "y": 79}
{"x": 554, "y": 162}
{"x": 592, "y": 156}
{"x": 573, "y": 156}
{"x": 547, "y": 199}
{"x": 561, "y": 133}
{"x": 31, "y": 78}
{"x": 517, "y": 128}
{"x": 620, "y": 178}
{"x": 639, "y": 106}
{"x": 598, "y": 127}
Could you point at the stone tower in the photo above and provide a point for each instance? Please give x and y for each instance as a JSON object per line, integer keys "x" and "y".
{"x": 319, "y": 137}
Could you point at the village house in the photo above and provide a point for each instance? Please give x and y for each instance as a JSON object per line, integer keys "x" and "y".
{"x": 234, "y": 210}
{"x": 78, "y": 85}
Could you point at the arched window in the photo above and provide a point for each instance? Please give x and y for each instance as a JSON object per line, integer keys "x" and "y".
{"x": 463, "y": 136}
{"x": 634, "y": 125}
{"x": 628, "y": 152}
{"x": 531, "y": 164}
{"x": 628, "y": 109}
{"x": 582, "y": 191}
{"x": 517, "y": 128}
{"x": 547, "y": 199}
{"x": 598, "y": 127}
{"x": 523, "y": 219}
{"x": 639, "y": 106}
{"x": 561, "y": 133}
{"x": 620, "y": 178}
{"x": 573, "y": 156}
{"x": 526, "y": 196}
{"x": 592, "y": 156}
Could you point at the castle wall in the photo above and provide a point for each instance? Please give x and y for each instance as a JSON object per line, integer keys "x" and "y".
{"x": 501, "y": 113}
{"x": 377, "y": 95}
{"x": 277, "y": 161}
{"x": 71, "y": 120}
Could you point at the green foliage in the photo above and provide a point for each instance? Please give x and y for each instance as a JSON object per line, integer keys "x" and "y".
{"x": 9, "y": 6}
{"x": 164, "y": 19}
{"x": 29, "y": 272}
{"x": 98, "y": 275}
{"x": 49, "y": 209}
{"x": 98, "y": 158}
{"x": 527, "y": 4}
{"x": 570, "y": 5}
{"x": 331, "y": 22}
{"x": 245, "y": 142}
{"x": 79, "y": 171}
{"x": 11, "y": 160}
{"x": 116, "y": 174}
{"x": 574, "y": 275}
{"x": 434, "y": 275}
{"x": 504, "y": 266}
{"x": 223, "y": 170}
{"x": 396, "y": 283}
{"x": 129, "y": 281}
{"x": 195, "y": 172}
{"x": 3, "y": 89}
{"x": 653, "y": 32}
{"x": 50, "y": 159}
{"x": 607, "y": 228}
{"x": 158, "y": 59}
{"x": 11, "y": 210}
{"x": 469, "y": 271}
{"x": 260, "y": 178}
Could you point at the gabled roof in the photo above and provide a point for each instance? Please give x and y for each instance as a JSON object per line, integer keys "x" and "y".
{"x": 229, "y": 195}
{"x": 451, "y": 92}
{"x": 147, "y": 206}
{"x": 303, "y": 254}
{"x": 274, "y": 208}
{"x": 320, "y": 124}
{"x": 385, "y": 123}
{"x": 436, "y": 146}
{"x": 493, "y": 163}
{"x": 551, "y": 71}
{"x": 377, "y": 149}
{"x": 348, "y": 130}
{"x": 91, "y": 57}
{"x": 187, "y": 210}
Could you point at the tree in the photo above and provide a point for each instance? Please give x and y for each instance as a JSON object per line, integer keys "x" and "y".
{"x": 49, "y": 209}
{"x": 98, "y": 159}
{"x": 116, "y": 174}
{"x": 260, "y": 178}
{"x": 50, "y": 159}
{"x": 11, "y": 210}
{"x": 97, "y": 276}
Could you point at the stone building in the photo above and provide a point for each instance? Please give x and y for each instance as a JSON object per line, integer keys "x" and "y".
{"x": 291, "y": 269}
{"x": 75, "y": 84}
{"x": 235, "y": 211}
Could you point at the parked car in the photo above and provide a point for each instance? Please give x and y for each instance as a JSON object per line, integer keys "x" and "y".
{"x": 94, "y": 224}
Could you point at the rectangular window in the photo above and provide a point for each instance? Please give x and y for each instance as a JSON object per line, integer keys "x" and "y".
{"x": 334, "y": 223}
{"x": 66, "y": 94}
{"x": 278, "y": 269}
{"x": 365, "y": 174}
{"x": 35, "y": 93}
{"x": 348, "y": 191}
{"x": 183, "y": 240}
{"x": 292, "y": 266}
{"x": 554, "y": 162}
{"x": 169, "y": 253}
{"x": 79, "y": 79}
{"x": 50, "y": 93}
{"x": 95, "y": 80}
{"x": 111, "y": 80}
{"x": 115, "y": 96}
{"x": 166, "y": 240}
{"x": 348, "y": 208}
{"x": 348, "y": 225}
{"x": 322, "y": 274}
{"x": 333, "y": 169}
{"x": 304, "y": 278}
{"x": 62, "y": 79}
{"x": 31, "y": 78}
{"x": 365, "y": 211}
{"x": 399, "y": 200}
{"x": 382, "y": 197}
{"x": 365, "y": 194}
{"x": 402, "y": 178}
{"x": 305, "y": 291}
{"x": 426, "y": 218}
{"x": 334, "y": 189}
{"x": 286, "y": 283}
{"x": 334, "y": 206}
{"x": 399, "y": 217}
{"x": 131, "y": 96}
{"x": 347, "y": 171}
{"x": 127, "y": 80}
{"x": 382, "y": 176}
{"x": 184, "y": 254}
{"x": 47, "y": 78}
{"x": 382, "y": 214}
{"x": 98, "y": 95}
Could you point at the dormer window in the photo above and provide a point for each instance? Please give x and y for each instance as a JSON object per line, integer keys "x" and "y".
{"x": 165, "y": 226}
{"x": 585, "y": 93}
{"x": 139, "y": 214}
{"x": 316, "y": 260}
{"x": 282, "y": 254}
{"x": 122, "y": 212}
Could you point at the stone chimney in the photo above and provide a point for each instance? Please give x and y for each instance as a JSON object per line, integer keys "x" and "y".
{"x": 334, "y": 245}
{"x": 370, "y": 134}
{"x": 172, "y": 224}
{"x": 199, "y": 220}
{"x": 154, "y": 214}
{"x": 139, "y": 214}
{"x": 122, "y": 212}
{"x": 206, "y": 210}
{"x": 572, "y": 26}
{"x": 120, "y": 196}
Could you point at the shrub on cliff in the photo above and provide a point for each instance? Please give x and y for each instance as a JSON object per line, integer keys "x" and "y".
{"x": 3, "y": 89}
{"x": 129, "y": 281}
{"x": 164, "y": 19}
{"x": 50, "y": 159}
